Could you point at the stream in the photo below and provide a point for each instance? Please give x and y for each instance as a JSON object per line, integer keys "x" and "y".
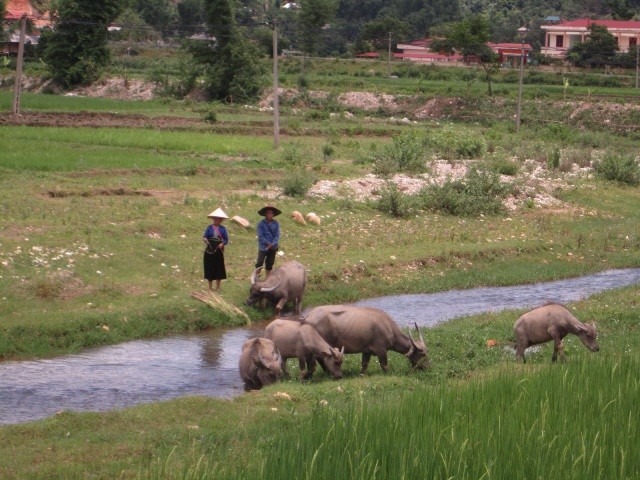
{"x": 206, "y": 363}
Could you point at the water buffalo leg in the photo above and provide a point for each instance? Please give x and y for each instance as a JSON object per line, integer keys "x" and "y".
{"x": 311, "y": 364}
{"x": 382, "y": 358}
{"x": 283, "y": 364}
{"x": 365, "y": 363}
{"x": 520, "y": 348}
{"x": 559, "y": 348}
{"x": 304, "y": 373}
{"x": 557, "y": 343}
{"x": 322, "y": 364}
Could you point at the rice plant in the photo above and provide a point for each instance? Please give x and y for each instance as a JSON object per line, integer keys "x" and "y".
{"x": 574, "y": 422}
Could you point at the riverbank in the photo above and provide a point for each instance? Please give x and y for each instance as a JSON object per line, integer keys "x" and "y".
{"x": 209, "y": 438}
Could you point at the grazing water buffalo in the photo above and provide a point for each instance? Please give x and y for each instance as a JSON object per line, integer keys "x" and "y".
{"x": 285, "y": 283}
{"x": 295, "y": 340}
{"x": 369, "y": 331}
{"x": 551, "y": 322}
{"x": 260, "y": 363}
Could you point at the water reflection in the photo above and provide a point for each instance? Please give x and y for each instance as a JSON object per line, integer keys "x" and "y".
{"x": 207, "y": 363}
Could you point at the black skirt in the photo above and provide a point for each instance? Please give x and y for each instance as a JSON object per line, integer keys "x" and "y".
{"x": 214, "y": 265}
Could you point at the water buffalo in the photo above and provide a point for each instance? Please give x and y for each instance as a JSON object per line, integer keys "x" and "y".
{"x": 260, "y": 363}
{"x": 302, "y": 341}
{"x": 369, "y": 331}
{"x": 551, "y": 322}
{"x": 285, "y": 283}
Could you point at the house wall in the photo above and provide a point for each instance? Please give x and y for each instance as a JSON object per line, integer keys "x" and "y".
{"x": 559, "y": 40}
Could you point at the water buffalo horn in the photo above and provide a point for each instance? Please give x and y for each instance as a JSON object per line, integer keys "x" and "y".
{"x": 270, "y": 289}
{"x": 419, "y": 334}
{"x": 254, "y": 276}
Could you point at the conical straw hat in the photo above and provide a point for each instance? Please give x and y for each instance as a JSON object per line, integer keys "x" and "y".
{"x": 217, "y": 213}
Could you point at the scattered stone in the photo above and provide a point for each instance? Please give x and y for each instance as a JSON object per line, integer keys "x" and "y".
{"x": 313, "y": 218}
{"x": 243, "y": 222}
{"x": 298, "y": 218}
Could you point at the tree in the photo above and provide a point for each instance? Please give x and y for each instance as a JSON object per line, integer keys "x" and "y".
{"x": 2, "y": 14}
{"x": 75, "y": 51}
{"x": 377, "y": 31}
{"x": 313, "y": 16}
{"x": 469, "y": 38}
{"x": 234, "y": 70}
{"x": 160, "y": 14}
{"x": 191, "y": 15}
{"x": 599, "y": 49}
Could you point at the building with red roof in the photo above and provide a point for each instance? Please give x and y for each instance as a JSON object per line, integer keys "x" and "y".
{"x": 15, "y": 10}
{"x": 562, "y": 36}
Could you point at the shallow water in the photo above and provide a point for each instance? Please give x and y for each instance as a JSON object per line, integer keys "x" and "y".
{"x": 206, "y": 363}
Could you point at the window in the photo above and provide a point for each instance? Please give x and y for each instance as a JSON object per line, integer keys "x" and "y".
{"x": 559, "y": 41}
{"x": 633, "y": 42}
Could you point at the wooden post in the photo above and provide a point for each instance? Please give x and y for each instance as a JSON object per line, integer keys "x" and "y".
{"x": 389, "y": 58}
{"x": 276, "y": 99}
{"x": 637, "y": 63}
{"x": 18, "y": 82}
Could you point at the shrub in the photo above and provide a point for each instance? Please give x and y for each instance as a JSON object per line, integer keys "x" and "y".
{"x": 553, "y": 158}
{"x": 292, "y": 155}
{"x": 479, "y": 192}
{"x": 327, "y": 151}
{"x": 503, "y": 166}
{"x": 298, "y": 183}
{"x": 210, "y": 117}
{"x": 393, "y": 201}
{"x": 451, "y": 145}
{"x": 317, "y": 114}
{"x": 619, "y": 169}
{"x": 405, "y": 154}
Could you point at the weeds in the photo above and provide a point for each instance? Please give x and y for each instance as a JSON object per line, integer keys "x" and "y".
{"x": 298, "y": 183}
{"x": 479, "y": 192}
{"x": 624, "y": 170}
{"x": 553, "y": 158}
{"x": 405, "y": 154}
{"x": 393, "y": 202}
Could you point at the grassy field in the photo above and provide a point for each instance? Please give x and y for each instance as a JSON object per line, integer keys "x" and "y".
{"x": 101, "y": 227}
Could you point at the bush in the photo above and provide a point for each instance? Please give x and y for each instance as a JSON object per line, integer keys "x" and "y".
{"x": 293, "y": 156}
{"x": 298, "y": 183}
{"x": 553, "y": 158}
{"x": 450, "y": 144}
{"x": 405, "y": 154}
{"x": 327, "y": 151}
{"x": 479, "y": 192}
{"x": 175, "y": 80}
{"x": 210, "y": 117}
{"x": 503, "y": 166}
{"x": 393, "y": 201}
{"x": 624, "y": 170}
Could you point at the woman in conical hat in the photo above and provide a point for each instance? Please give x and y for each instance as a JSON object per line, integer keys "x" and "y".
{"x": 215, "y": 238}
{"x": 268, "y": 230}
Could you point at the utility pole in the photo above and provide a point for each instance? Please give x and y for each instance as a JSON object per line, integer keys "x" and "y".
{"x": 276, "y": 100}
{"x": 522, "y": 31}
{"x": 17, "y": 86}
{"x": 637, "y": 63}
{"x": 389, "y": 58}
